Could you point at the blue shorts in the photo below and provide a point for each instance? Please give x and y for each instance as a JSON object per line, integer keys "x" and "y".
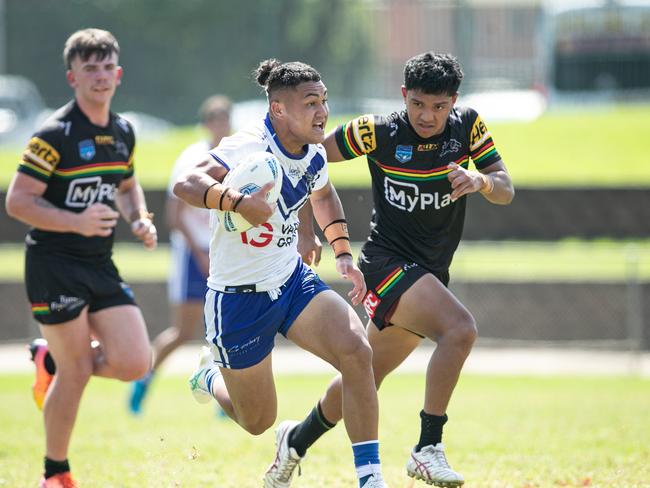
{"x": 241, "y": 327}
{"x": 186, "y": 281}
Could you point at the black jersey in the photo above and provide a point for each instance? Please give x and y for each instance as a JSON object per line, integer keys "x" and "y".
{"x": 413, "y": 214}
{"x": 82, "y": 164}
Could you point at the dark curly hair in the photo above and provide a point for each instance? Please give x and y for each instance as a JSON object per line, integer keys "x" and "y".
{"x": 274, "y": 75}
{"x": 433, "y": 74}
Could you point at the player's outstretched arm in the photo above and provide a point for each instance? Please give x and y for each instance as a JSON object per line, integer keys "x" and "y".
{"x": 328, "y": 212}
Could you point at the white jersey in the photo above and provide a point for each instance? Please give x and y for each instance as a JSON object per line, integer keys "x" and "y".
{"x": 264, "y": 256}
{"x": 197, "y": 220}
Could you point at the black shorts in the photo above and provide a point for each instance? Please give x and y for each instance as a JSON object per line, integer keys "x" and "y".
{"x": 59, "y": 287}
{"x": 387, "y": 278}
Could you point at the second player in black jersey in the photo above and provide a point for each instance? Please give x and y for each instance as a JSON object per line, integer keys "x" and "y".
{"x": 414, "y": 213}
{"x": 76, "y": 172}
{"x": 82, "y": 164}
{"x": 419, "y": 163}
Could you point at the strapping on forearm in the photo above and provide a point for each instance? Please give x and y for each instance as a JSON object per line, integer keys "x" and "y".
{"x": 221, "y": 197}
{"x": 140, "y": 214}
{"x": 336, "y": 233}
{"x": 488, "y": 184}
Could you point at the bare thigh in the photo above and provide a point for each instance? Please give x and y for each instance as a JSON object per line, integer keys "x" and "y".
{"x": 123, "y": 336}
{"x": 430, "y": 309}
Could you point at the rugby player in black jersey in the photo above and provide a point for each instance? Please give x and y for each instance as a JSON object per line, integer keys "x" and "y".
{"x": 76, "y": 172}
{"x": 419, "y": 164}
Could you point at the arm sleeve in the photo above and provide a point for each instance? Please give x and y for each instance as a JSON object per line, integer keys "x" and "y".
{"x": 481, "y": 146}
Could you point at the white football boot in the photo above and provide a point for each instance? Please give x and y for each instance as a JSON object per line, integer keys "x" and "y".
{"x": 281, "y": 471}
{"x": 197, "y": 382}
{"x": 375, "y": 481}
{"x": 430, "y": 465}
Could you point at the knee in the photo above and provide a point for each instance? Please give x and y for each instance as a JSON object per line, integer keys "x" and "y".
{"x": 464, "y": 332}
{"x": 76, "y": 372}
{"x": 355, "y": 353}
{"x": 133, "y": 368}
{"x": 257, "y": 426}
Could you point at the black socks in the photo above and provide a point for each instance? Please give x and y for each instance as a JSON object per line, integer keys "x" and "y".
{"x": 431, "y": 429}
{"x": 309, "y": 430}
{"x": 55, "y": 467}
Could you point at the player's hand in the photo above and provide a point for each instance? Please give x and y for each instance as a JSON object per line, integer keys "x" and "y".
{"x": 310, "y": 248}
{"x": 463, "y": 181}
{"x": 144, "y": 230}
{"x": 255, "y": 208}
{"x": 349, "y": 271}
{"x": 97, "y": 220}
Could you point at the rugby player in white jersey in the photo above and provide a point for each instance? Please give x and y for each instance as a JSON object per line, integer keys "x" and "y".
{"x": 259, "y": 286}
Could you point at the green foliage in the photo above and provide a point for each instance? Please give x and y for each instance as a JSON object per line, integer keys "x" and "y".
{"x": 177, "y": 53}
{"x": 503, "y": 432}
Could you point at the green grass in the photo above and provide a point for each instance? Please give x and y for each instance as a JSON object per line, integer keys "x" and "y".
{"x": 519, "y": 432}
{"x": 568, "y": 260}
{"x": 582, "y": 148}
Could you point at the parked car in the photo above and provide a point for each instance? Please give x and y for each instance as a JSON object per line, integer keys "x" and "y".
{"x": 21, "y": 109}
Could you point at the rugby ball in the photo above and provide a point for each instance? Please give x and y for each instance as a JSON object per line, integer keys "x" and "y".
{"x": 258, "y": 169}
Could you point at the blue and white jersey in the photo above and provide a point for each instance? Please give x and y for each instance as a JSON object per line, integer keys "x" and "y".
{"x": 264, "y": 256}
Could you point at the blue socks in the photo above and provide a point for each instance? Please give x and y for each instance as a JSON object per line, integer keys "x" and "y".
{"x": 366, "y": 459}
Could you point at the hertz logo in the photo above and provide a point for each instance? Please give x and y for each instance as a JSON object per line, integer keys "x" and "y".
{"x": 364, "y": 129}
{"x": 479, "y": 134}
{"x": 104, "y": 140}
{"x": 39, "y": 152}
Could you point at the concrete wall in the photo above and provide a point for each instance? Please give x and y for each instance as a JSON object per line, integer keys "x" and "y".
{"x": 584, "y": 312}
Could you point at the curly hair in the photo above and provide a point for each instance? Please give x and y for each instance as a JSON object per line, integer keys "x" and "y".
{"x": 433, "y": 73}
{"x": 274, "y": 75}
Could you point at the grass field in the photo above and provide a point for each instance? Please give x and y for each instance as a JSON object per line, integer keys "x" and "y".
{"x": 603, "y": 261}
{"x": 583, "y": 148}
{"x": 519, "y": 432}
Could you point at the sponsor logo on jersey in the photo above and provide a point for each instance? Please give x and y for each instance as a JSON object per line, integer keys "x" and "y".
{"x": 450, "y": 146}
{"x": 427, "y": 147}
{"x": 257, "y": 236}
{"x": 364, "y": 128}
{"x": 121, "y": 148}
{"x": 39, "y": 152}
{"x": 403, "y": 154}
{"x": 407, "y": 196}
{"x": 370, "y": 303}
{"x": 479, "y": 134}
{"x": 83, "y": 192}
{"x": 104, "y": 140}
{"x": 87, "y": 149}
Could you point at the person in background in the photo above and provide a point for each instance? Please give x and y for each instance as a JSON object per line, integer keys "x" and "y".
{"x": 190, "y": 240}
{"x": 75, "y": 174}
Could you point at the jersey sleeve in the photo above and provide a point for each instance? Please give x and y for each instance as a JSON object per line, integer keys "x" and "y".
{"x": 234, "y": 149}
{"x": 481, "y": 145}
{"x": 322, "y": 177}
{"x": 129, "y": 135}
{"x": 43, "y": 154}
{"x": 361, "y": 135}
